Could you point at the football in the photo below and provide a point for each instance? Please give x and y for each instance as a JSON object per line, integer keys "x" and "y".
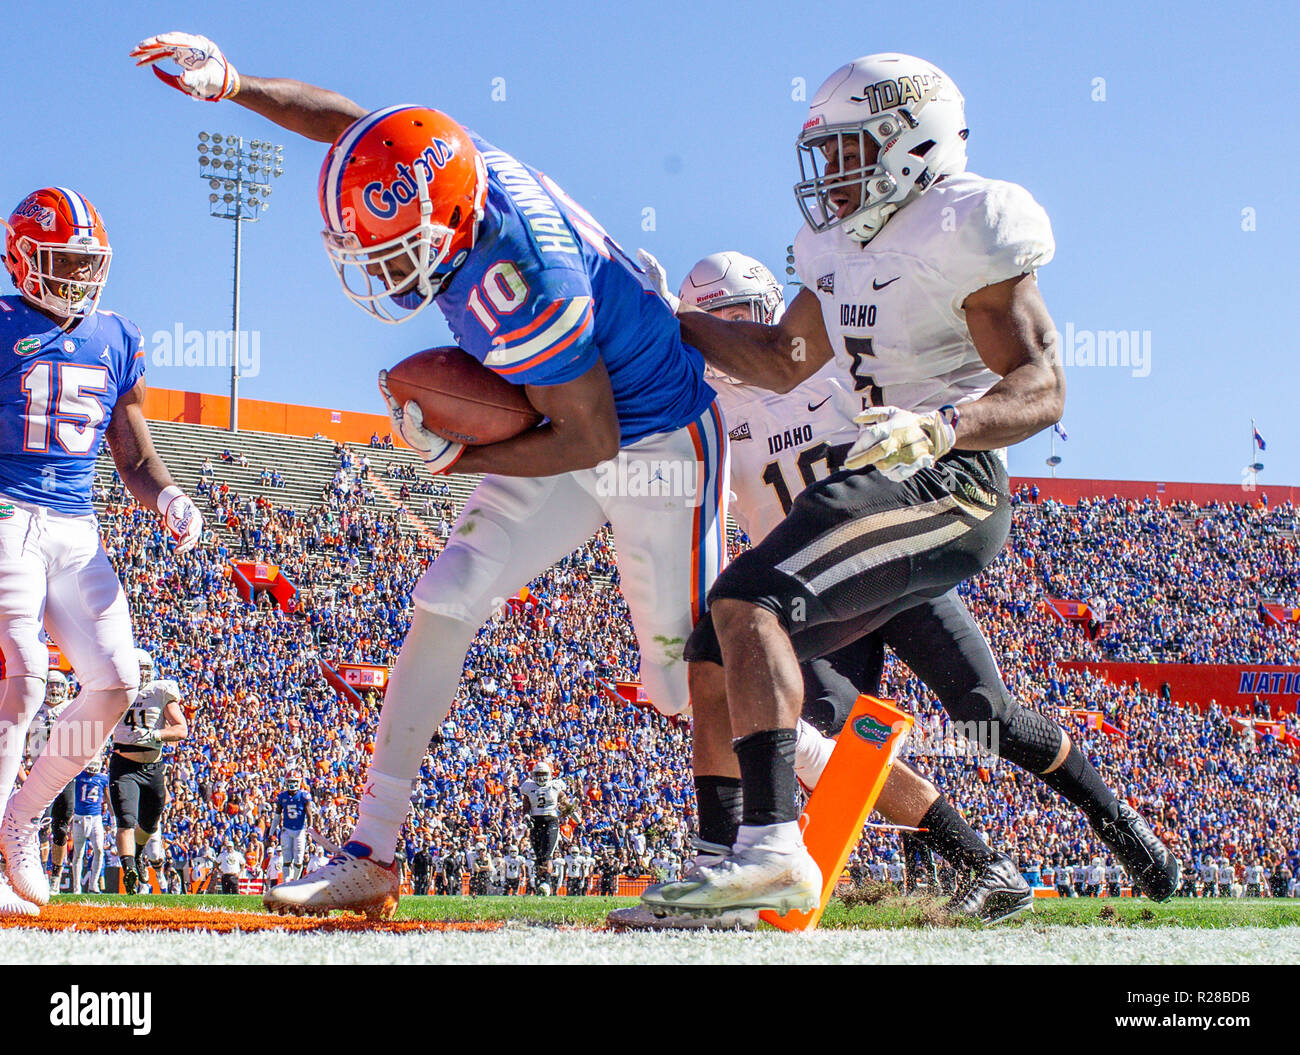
{"x": 461, "y": 398}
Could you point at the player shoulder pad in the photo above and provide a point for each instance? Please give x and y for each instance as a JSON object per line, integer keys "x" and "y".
{"x": 130, "y": 331}
{"x": 1000, "y": 232}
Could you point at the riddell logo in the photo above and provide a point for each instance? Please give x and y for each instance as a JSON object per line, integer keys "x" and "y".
{"x": 813, "y": 122}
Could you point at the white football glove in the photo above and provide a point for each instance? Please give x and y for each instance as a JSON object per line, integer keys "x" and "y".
{"x": 205, "y": 73}
{"x": 149, "y": 739}
{"x": 182, "y": 517}
{"x": 438, "y": 454}
{"x": 898, "y": 442}
{"x": 657, "y": 278}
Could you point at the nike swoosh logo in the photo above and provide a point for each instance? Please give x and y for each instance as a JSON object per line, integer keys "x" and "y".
{"x": 881, "y": 285}
{"x": 812, "y": 408}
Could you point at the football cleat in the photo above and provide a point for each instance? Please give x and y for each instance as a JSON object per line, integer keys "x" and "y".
{"x": 350, "y": 881}
{"x": 11, "y": 904}
{"x": 997, "y": 892}
{"x": 641, "y": 917}
{"x": 20, "y": 845}
{"x": 1155, "y": 871}
{"x": 130, "y": 880}
{"x": 757, "y": 877}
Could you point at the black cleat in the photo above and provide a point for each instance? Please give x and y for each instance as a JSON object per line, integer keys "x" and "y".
{"x": 130, "y": 880}
{"x": 998, "y": 891}
{"x": 1155, "y": 871}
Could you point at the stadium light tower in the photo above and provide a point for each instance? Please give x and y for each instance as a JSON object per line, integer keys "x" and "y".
{"x": 238, "y": 176}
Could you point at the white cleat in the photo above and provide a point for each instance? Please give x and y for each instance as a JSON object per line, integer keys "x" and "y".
{"x": 757, "y": 877}
{"x": 11, "y": 904}
{"x": 641, "y": 917}
{"x": 350, "y": 881}
{"x": 21, "y": 847}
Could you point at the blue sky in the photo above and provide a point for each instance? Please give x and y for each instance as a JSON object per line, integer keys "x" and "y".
{"x": 1156, "y": 136}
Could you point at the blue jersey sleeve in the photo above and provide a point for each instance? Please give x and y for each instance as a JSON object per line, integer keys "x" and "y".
{"x": 130, "y": 366}
{"x": 549, "y": 340}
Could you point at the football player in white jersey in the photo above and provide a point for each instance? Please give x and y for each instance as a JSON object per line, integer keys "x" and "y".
{"x": 137, "y": 777}
{"x": 544, "y": 798}
{"x": 781, "y": 443}
{"x": 920, "y": 286}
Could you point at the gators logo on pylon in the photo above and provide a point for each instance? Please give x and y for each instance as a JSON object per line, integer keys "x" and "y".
{"x": 872, "y": 730}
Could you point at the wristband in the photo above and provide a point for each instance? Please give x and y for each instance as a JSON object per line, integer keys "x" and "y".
{"x": 167, "y": 496}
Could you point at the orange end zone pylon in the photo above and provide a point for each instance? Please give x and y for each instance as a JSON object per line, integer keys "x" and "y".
{"x": 846, "y": 794}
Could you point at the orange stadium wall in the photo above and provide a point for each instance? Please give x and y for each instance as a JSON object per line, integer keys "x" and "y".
{"x": 1070, "y": 491}
{"x": 1228, "y": 685}
{"x": 257, "y": 415}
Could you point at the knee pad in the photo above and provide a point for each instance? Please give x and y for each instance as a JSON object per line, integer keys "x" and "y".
{"x": 1029, "y": 739}
{"x": 24, "y": 654}
{"x": 991, "y": 718}
{"x": 21, "y": 696}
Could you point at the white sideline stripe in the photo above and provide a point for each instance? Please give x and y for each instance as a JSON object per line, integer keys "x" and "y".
{"x": 507, "y": 355}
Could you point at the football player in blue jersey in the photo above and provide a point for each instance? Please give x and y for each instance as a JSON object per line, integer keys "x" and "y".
{"x": 91, "y": 785}
{"x": 71, "y": 376}
{"x": 292, "y": 812}
{"x": 420, "y": 211}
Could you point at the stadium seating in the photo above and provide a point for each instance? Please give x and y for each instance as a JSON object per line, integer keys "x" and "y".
{"x": 1176, "y": 582}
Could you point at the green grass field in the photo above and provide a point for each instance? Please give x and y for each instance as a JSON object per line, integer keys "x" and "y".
{"x": 565, "y": 930}
{"x": 892, "y": 913}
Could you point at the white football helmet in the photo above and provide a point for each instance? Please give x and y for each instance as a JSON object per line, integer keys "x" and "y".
{"x": 56, "y": 689}
{"x": 910, "y": 109}
{"x": 541, "y": 774}
{"x": 94, "y": 765}
{"x": 723, "y": 279}
{"x": 146, "y": 665}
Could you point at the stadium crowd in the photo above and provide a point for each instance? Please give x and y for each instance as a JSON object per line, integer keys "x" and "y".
{"x": 1171, "y": 581}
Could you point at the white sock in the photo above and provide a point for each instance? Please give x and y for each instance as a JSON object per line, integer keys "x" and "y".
{"x": 783, "y": 838}
{"x": 812, "y": 750}
{"x": 384, "y": 805}
{"x": 419, "y": 696}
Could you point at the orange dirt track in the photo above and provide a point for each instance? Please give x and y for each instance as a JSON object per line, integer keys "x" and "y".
{"x": 130, "y": 918}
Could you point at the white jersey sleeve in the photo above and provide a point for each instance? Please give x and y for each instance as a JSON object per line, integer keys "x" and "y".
{"x": 893, "y": 308}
